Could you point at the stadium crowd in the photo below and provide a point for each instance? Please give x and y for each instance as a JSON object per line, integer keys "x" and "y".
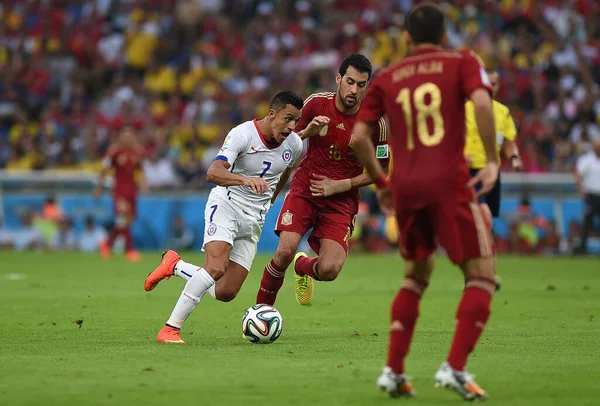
{"x": 182, "y": 72}
{"x": 72, "y": 72}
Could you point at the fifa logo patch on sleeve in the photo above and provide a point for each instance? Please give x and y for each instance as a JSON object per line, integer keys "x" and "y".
{"x": 383, "y": 151}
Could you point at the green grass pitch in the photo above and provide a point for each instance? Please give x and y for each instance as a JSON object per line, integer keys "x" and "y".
{"x": 80, "y": 331}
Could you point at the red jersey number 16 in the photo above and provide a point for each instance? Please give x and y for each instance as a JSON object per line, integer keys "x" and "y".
{"x": 424, "y": 112}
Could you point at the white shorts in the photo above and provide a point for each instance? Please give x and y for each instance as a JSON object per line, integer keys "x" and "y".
{"x": 224, "y": 221}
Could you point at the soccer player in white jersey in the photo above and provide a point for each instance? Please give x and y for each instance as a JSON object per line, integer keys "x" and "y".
{"x": 251, "y": 168}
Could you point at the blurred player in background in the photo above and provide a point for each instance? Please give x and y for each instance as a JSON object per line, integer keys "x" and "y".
{"x": 323, "y": 194}
{"x": 431, "y": 190}
{"x": 251, "y": 168}
{"x": 124, "y": 158}
{"x": 506, "y": 133}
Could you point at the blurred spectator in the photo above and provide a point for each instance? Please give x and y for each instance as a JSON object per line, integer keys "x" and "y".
{"x": 574, "y": 234}
{"x": 52, "y": 211}
{"x": 65, "y": 238}
{"x": 6, "y": 239}
{"x": 374, "y": 238}
{"x": 587, "y": 174}
{"x": 525, "y": 229}
{"x": 91, "y": 236}
{"x": 159, "y": 172}
{"x": 182, "y": 237}
{"x": 551, "y": 242}
{"x": 28, "y": 236}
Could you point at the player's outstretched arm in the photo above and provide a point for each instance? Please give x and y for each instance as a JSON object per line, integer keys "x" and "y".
{"x": 219, "y": 174}
{"x": 322, "y": 186}
{"x": 314, "y": 127}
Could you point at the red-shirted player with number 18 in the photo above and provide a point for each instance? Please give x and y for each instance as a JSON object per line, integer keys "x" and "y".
{"x": 323, "y": 194}
{"x": 423, "y": 96}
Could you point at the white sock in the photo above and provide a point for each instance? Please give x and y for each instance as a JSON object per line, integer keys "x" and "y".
{"x": 185, "y": 270}
{"x": 213, "y": 291}
{"x": 191, "y": 295}
{"x": 181, "y": 270}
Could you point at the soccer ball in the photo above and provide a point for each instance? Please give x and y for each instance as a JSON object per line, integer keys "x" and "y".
{"x": 262, "y": 324}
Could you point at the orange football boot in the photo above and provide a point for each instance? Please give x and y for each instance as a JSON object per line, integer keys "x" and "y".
{"x": 104, "y": 250}
{"x": 169, "y": 335}
{"x": 163, "y": 271}
{"x": 133, "y": 256}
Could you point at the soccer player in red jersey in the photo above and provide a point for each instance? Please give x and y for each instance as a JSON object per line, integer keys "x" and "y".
{"x": 423, "y": 95}
{"x": 323, "y": 194}
{"x": 125, "y": 158}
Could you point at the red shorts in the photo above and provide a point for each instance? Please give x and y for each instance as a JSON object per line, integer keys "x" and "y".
{"x": 299, "y": 213}
{"x": 462, "y": 229}
{"x": 125, "y": 205}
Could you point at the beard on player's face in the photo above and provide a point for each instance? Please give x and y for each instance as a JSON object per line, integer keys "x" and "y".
{"x": 348, "y": 100}
{"x": 351, "y": 87}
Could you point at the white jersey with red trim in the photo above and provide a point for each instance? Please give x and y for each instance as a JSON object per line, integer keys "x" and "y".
{"x": 251, "y": 155}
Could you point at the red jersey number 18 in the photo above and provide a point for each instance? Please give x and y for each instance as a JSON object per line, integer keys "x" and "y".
{"x": 424, "y": 112}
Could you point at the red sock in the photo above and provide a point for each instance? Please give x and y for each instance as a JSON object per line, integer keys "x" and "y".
{"x": 472, "y": 315}
{"x": 405, "y": 311}
{"x": 271, "y": 282}
{"x": 114, "y": 233}
{"x": 126, "y": 233}
{"x": 307, "y": 266}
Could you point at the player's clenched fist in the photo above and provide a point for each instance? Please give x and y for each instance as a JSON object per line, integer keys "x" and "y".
{"x": 259, "y": 185}
{"x": 314, "y": 126}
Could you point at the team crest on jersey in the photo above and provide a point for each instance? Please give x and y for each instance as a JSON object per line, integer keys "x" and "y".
{"x": 323, "y": 131}
{"x": 227, "y": 140}
{"x": 287, "y": 156}
{"x": 286, "y": 218}
{"x": 212, "y": 229}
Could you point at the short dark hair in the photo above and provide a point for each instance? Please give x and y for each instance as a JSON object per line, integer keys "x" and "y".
{"x": 426, "y": 23}
{"x": 284, "y": 98}
{"x": 359, "y": 62}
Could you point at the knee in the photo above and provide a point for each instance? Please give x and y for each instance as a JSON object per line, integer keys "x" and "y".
{"x": 225, "y": 294}
{"x": 215, "y": 270}
{"x": 329, "y": 270}
{"x": 284, "y": 256}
